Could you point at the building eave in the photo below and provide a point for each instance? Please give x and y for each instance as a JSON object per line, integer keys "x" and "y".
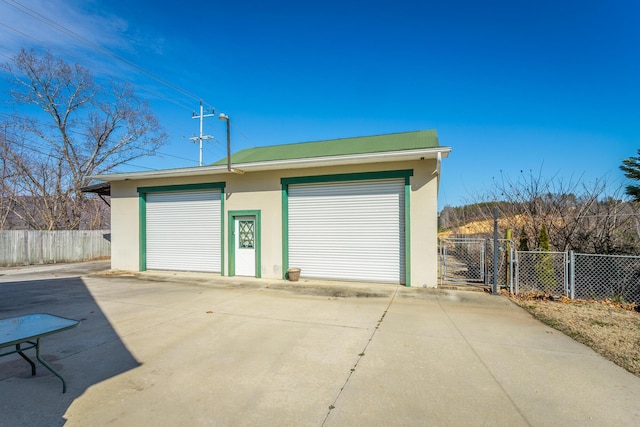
{"x": 352, "y": 159}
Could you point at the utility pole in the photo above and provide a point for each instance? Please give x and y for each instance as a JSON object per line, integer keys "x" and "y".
{"x": 201, "y": 137}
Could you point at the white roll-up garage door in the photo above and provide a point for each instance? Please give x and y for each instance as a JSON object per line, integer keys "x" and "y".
{"x": 183, "y": 231}
{"x": 348, "y": 231}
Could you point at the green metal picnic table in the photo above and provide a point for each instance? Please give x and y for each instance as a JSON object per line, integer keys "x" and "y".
{"x": 24, "y": 332}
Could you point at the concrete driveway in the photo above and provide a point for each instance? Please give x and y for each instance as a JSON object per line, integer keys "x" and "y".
{"x": 170, "y": 349}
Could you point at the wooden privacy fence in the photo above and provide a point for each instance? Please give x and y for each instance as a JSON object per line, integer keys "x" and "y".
{"x": 25, "y": 247}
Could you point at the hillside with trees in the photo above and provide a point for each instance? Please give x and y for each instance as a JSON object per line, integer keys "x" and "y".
{"x": 586, "y": 218}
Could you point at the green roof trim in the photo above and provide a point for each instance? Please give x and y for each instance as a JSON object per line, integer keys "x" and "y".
{"x": 416, "y": 140}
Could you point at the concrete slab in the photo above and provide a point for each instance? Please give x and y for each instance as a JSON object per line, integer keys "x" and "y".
{"x": 197, "y": 349}
{"x": 476, "y": 359}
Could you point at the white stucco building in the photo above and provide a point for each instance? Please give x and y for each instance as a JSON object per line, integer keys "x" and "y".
{"x": 362, "y": 209}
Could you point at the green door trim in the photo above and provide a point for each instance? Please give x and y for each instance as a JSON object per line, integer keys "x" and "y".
{"x": 142, "y": 214}
{"x": 231, "y": 243}
{"x": 405, "y": 174}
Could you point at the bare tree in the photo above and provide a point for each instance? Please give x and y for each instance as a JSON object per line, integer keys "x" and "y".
{"x": 577, "y": 216}
{"x": 83, "y": 128}
{"x": 5, "y": 180}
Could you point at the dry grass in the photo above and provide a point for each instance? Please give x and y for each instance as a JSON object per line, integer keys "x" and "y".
{"x": 609, "y": 328}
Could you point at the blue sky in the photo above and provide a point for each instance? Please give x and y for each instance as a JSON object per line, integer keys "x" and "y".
{"x": 551, "y": 86}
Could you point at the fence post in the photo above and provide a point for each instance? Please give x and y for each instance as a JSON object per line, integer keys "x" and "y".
{"x": 511, "y": 267}
{"x": 495, "y": 251}
{"x": 565, "y": 273}
{"x": 516, "y": 272}
{"x": 508, "y": 276}
{"x": 485, "y": 261}
{"x": 440, "y": 262}
{"x": 572, "y": 273}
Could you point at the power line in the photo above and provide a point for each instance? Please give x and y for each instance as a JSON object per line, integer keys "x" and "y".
{"x": 88, "y": 135}
{"x": 95, "y": 66}
{"x": 105, "y": 51}
{"x": 53, "y": 156}
{"x": 152, "y": 92}
{"x": 61, "y": 28}
{"x": 40, "y": 122}
{"x": 36, "y": 148}
{"x": 236, "y": 129}
{"x": 70, "y": 33}
{"x": 138, "y": 166}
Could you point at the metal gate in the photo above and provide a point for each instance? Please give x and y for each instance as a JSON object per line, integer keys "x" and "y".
{"x": 462, "y": 260}
{"x": 469, "y": 261}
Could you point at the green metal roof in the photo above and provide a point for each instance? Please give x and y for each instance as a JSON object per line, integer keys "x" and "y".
{"x": 422, "y": 139}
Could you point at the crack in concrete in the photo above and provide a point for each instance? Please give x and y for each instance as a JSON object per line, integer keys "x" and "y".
{"x": 360, "y": 356}
{"x": 517, "y": 408}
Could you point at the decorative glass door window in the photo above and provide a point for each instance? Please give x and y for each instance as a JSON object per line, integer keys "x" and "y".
{"x": 246, "y": 238}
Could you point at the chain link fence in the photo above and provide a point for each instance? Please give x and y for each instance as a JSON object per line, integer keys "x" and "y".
{"x": 582, "y": 276}
{"x": 462, "y": 260}
{"x": 469, "y": 261}
{"x": 466, "y": 261}
{"x": 506, "y": 258}
{"x": 614, "y": 277}
{"x": 542, "y": 272}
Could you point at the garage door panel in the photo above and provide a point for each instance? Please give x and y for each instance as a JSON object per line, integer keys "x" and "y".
{"x": 183, "y": 231}
{"x": 352, "y": 231}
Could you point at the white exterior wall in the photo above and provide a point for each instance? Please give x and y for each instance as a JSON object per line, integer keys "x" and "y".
{"x": 424, "y": 226}
{"x": 125, "y": 253}
{"x": 263, "y": 191}
{"x": 260, "y": 191}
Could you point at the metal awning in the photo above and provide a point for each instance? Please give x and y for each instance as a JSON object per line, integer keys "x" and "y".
{"x": 103, "y": 189}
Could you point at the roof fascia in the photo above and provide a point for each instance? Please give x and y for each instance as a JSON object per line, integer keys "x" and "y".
{"x": 351, "y": 159}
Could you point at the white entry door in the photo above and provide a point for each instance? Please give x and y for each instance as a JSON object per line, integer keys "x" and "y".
{"x": 245, "y": 245}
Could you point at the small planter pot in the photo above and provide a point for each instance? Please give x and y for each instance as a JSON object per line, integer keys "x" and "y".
{"x": 293, "y": 274}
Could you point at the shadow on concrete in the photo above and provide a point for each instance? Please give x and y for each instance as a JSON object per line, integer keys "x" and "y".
{"x": 86, "y": 355}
